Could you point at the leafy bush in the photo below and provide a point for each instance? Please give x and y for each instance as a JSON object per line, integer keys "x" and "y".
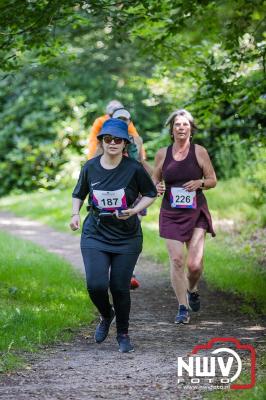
{"x": 231, "y": 156}
{"x": 152, "y": 146}
{"x": 34, "y": 125}
{"x": 256, "y": 175}
{"x": 47, "y": 108}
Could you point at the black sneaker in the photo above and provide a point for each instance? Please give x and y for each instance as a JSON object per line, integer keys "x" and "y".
{"x": 182, "y": 315}
{"x": 194, "y": 301}
{"x": 124, "y": 343}
{"x": 102, "y": 329}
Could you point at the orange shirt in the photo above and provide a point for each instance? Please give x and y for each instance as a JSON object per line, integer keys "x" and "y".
{"x": 95, "y": 129}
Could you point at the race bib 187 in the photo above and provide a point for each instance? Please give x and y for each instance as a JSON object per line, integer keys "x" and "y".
{"x": 181, "y": 198}
{"x": 109, "y": 200}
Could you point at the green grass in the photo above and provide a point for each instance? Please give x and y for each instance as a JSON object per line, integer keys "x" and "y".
{"x": 42, "y": 299}
{"x": 233, "y": 199}
{"x": 232, "y": 271}
{"x": 50, "y": 207}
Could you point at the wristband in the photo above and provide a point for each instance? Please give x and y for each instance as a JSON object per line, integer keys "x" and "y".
{"x": 202, "y": 183}
{"x": 74, "y": 214}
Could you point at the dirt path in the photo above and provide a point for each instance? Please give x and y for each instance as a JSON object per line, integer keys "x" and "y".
{"x": 85, "y": 370}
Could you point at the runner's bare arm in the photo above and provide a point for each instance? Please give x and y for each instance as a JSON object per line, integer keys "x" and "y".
{"x": 75, "y": 217}
{"x": 204, "y": 161}
{"x": 209, "y": 175}
{"x": 147, "y": 166}
{"x": 157, "y": 173}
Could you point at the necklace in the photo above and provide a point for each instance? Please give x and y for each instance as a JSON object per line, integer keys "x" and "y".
{"x": 181, "y": 151}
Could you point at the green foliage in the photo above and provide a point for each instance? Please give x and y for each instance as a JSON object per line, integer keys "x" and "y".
{"x": 161, "y": 140}
{"x": 154, "y": 56}
{"x": 32, "y": 140}
{"x": 256, "y": 175}
{"x": 29, "y": 25}
{"x": 231, "y": 156}
{"x": 211, "y": 61}
{"x": 45, "y": 113}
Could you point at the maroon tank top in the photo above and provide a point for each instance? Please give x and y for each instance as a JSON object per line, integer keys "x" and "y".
{"x": 176, "y": 173}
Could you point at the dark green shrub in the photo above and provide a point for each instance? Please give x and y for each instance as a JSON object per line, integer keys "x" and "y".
{"x": 34, "y": 134}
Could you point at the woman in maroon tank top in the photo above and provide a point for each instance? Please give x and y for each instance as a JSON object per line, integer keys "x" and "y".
{"x": 182, "y": 171}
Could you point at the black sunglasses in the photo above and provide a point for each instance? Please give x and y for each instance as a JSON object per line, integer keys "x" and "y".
{"x": 108, "y": 139}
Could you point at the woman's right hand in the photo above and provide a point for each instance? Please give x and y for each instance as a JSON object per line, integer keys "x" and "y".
{"x": 160, "y": 188}
{"x": 75, "y": 222}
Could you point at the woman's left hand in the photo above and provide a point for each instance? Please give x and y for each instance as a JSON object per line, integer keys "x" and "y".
{"x": 126, "y": 213}
{"x": 192, "y": 185}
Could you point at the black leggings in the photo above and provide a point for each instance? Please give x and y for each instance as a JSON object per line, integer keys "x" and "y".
{"x": 109, "y": 270}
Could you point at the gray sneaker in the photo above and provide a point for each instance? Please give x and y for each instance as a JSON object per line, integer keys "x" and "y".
{"x": 102, "y": 328}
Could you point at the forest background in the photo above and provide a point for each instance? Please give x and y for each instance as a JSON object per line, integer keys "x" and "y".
{"x": 61, "y": 62}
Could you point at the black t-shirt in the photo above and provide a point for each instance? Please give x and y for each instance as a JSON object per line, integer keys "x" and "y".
{"x": 110, "y": 233}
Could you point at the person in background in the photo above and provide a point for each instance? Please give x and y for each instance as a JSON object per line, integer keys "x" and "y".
{"x": 134, "y": 148}
{"x": 93, "y": 145}
{"x": 183, "y": 171}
